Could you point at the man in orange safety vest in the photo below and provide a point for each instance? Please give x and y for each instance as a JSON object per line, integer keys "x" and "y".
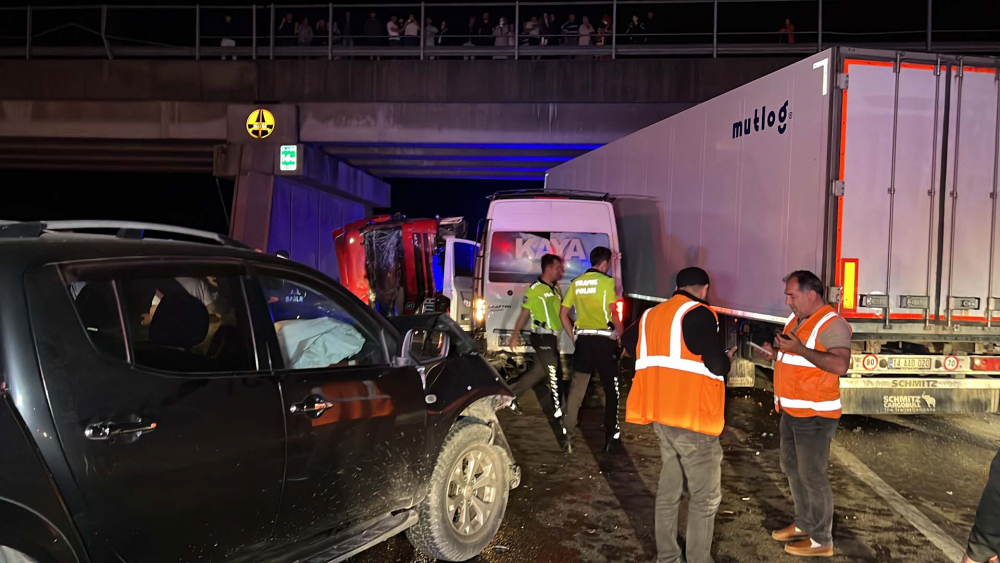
{"x": 811, "y": 355}
{"x": 680, "y": 388}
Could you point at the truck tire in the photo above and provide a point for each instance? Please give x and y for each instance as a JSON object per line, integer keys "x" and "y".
{"x": 467, "y": 497}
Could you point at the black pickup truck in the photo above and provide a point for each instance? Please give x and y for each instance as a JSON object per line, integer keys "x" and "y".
{"x": 194, "y": 400}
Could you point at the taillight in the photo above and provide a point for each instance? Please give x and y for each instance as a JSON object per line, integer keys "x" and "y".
{"x": 620, "y": 309}
{"x": 480, "y": 310}
{"x": 986, "y": 364}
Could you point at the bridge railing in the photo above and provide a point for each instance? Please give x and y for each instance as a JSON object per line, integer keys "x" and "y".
{"x": 514, "y": 30}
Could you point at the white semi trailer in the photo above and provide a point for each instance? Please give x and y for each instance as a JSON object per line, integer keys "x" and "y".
{"x": 876, "y": 170}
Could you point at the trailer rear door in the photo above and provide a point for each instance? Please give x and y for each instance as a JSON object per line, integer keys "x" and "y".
{"x": 895, "y": 235}
{"x": 891, "y": 128}
{"x": 969, "y": 232}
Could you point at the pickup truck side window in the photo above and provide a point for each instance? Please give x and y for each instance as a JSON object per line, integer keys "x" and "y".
{"x": 315, "y": 330}
{"x": 184, "y": 324}
{"x": 188, "y": 324}
{"x": 97, "y": 306}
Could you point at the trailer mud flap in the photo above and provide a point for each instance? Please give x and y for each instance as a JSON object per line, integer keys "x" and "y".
{"x": 918, "y": 395}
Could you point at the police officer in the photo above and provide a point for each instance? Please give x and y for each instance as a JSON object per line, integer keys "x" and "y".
{"x": 597, "y": 329}
{"x": 541, "y": 304}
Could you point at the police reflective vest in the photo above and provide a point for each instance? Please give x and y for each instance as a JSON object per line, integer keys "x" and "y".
{"x": 672, "y": 386}
{"x": 543, "y": 302}
{"x": 592, "y": 294}
{"x": 800, "y": 388}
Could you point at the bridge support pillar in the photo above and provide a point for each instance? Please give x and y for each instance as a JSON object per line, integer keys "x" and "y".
{"x": 295, "y": 210}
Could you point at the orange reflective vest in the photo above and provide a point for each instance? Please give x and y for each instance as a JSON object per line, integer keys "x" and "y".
{"x": 672, "y": 386}
{"x": 800, "y": 388}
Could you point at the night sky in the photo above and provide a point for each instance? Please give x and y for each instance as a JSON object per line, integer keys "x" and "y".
{"x": 450, "y": 198}
{"x": 188, "y": 200}
{"x": 197, "y": 201}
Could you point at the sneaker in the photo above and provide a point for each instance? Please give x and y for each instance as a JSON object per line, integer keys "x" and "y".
{"x": 789, "y": 533}
{"x": 805, "y": 548}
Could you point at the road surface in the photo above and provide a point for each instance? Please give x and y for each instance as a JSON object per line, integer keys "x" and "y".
{"x": 905, "y": 489}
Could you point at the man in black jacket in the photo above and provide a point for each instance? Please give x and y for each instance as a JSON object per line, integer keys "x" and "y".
{"x": 680, "y": 389}
{"x": 373, "y": 29}
{"x": 700, "y": 331}
{"x": 484, "y": 31}
{"x": 984, "y": 541}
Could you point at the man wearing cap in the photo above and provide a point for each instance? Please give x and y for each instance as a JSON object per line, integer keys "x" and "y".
{"x": 541, "y": 304}
{"x": 680, "y": 388}
{"x": 597, "y": 328}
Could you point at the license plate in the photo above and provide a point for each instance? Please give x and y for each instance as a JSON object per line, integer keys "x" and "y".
{"x": 909, "y": 363}
{"x": 503, "y": 339}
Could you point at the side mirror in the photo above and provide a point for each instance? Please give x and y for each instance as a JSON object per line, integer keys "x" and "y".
{"x": 426, "y": 346}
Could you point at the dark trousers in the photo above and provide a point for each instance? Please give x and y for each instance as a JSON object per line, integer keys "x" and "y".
{"x": 984, "y": 541}
{"x": 598, "y": 353}
{"x": 805, "y": 459}
{"x": 546, "y": 367}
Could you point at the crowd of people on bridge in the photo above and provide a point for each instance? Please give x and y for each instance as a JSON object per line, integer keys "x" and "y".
{"x": 485, "y": 30}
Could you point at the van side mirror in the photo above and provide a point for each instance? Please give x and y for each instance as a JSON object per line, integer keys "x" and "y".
{"x": 426, "y": 346}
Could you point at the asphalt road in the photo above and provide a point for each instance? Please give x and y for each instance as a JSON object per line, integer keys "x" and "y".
{"x": 905, "y": 489}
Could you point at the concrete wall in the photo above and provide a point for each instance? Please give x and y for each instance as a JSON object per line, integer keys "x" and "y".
{"x": 273, "y": 213}
{"x": 350, "y": 122}
{"x": 112, "y": 119}
{"x": 298, "y": 212}
{"x": 303, "y": 219}
{"x": 287, "y": 81}
{"x": 477, "y": 122}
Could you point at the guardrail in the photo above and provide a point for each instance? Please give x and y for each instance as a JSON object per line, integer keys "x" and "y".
{"x": 619, "y": 28}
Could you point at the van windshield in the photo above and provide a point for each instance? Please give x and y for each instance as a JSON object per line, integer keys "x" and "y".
{"x": 515, "y": 257}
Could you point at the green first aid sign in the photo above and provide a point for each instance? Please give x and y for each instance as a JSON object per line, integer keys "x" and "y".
{"x": 288, "y": 159}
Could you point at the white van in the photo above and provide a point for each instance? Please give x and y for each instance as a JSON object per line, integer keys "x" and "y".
{"x": 520, "y": 228}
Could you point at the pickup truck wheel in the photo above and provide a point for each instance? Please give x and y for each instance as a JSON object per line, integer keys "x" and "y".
{"x": 467, "y": 497}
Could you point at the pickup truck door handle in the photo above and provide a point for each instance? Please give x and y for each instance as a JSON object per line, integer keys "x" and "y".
{"x": 101, "y": 431}
{"x": 312, "y": 405}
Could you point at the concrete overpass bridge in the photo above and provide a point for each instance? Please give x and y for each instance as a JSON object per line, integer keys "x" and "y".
{"x": 353, "y": 124}
{"x": 441, "y": 118}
